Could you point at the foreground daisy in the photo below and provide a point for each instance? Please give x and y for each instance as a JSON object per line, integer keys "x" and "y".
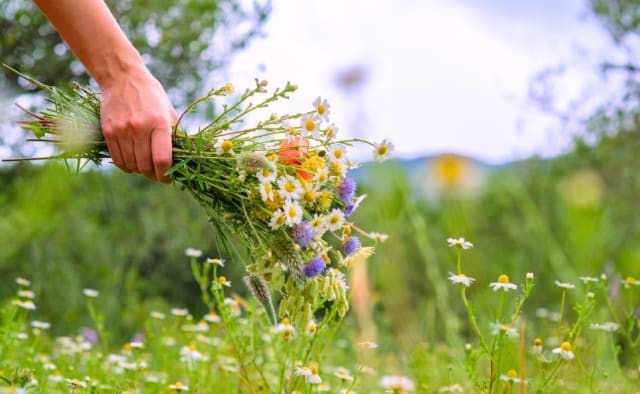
{"x": 383, "y": 150}
{"x": 564, "y": 350}
{"x": 397, "y": 384}
{"x": 178, "y": 386}
{"x": 565, "y": 285}
{"x": 310, "y": 374}
{"x": 503, "y": 284}
{"x": 461, "y": 279}
{"x": 460, "y": 242}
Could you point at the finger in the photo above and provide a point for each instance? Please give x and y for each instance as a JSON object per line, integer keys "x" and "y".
{"x": 144, "y": 160}
{"x": 128, "y": 155}
{"x": 114, "y": 151}
{"x": 161, "y": 149}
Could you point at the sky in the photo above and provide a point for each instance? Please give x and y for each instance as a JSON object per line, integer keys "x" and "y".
{"x": 436, "y": 76}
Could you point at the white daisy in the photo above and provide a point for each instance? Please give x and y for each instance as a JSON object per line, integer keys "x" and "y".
{"x": 266, "y": 175}
{"x": 382, "y": 150}
{"x": 330, "y": 131}
{"x": 564, "y": 350}
{"x": 290, "y": 187}
{"x": 397, "y": 384}
{"x": 277, "y": 220}
{"x": 192, "y": 252}
{"x": 509, "y": 331}
{"x": 292, "y": 212}
{"x": 322, "y": 108}
{"x": 90, "y": 293}
{"x": 503, "y": 284}
{"x": 309, "y": 126}
{"x": 318, "y": 224}
{"x": 266, "y": 191}
{"x": 289, "y": 129}
{"x": 223, "y": 146}
{"x": 461, "y": 279}
{"x": 460, "y": 242}
{"x": 608, "y": 326}
{"x": 335, "y": 220}
{"x": 338, "y": 153}
{"x": 565, "y": 285}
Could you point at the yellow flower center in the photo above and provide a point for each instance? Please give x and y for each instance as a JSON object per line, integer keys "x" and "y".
{"x": 127, "y": 347}
{"x": 334, "y": 219}
{"x": 310, "y": 196}
{"x": 565, "y": 347}
{"x": 338, "y": 153}
{"x": 292, "y": 212}
{"x": 226, "y": 145}
{"x": 280, "y": 220}
{"x": 330, "y": 132}
{"x": 322, "y": 176}
{"x": 289, "y": 187}
{"x": 537, "y": 342}
{"x": 512, "y": 373}
{"x": 285, "y": 320}
{"x": 222, "y": 280}
{"x": 292, "y": 130}
{"x": 504, "y": 327}
{"x": 503, "y": 279}
{"x": 229, "y": 89}
{"x": 192, "y": 348}
{"x": 266, "y": 172}
{"x": 382, "y": 150}
{"x": 310, "y": 125}
{"x": 321, "y": 109}
{"x": 178, "y": 385}
{"x": 312, "y": 329}
{"x": 314, "y": 370}
{"x": 630, "y": 280}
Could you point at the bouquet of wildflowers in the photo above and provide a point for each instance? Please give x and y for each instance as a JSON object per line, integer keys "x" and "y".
{"x": 279, "y": 185}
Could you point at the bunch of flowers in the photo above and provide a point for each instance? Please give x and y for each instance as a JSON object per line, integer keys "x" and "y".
{"x": 279, "y": 188}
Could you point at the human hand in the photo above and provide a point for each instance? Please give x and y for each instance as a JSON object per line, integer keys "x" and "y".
{"x": 137, "y": 119}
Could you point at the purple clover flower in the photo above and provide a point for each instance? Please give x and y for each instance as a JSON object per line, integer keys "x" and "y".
{"x": 347, "y": 189}
{"x": 351, "y": 245}
{"x": 303, "y": 234}
{"x": 314, "y": 267}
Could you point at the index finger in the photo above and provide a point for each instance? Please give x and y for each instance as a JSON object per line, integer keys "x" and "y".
{"x": 161, "y": 151}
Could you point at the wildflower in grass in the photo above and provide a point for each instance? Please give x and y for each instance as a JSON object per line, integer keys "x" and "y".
{"x": 497, "y": 328}
{"x": 286, "y": 329}
{"x": 314, "y": 267}
{"x": 76, "y": 383}
{"x": 589, "y": 279}
{"x": 378, "y": 237}
{"x": 343, "y": 374}
{"x": 607, "y": 327}
{"x": 309, "y": 126}
{"x": 292, "y": 212}
{"x": 565, "y": 285}
{"x": 234, "y": 304}
{"x": 335, "y": 220}
{"x": 461, "y": 279}
{"x": 26, "y": 304}
{"x": 564, "y": 350}
{"x": 630, "y": 281}
{"x": 591, "y": 295}
{"x": 310, "y": 374}
{"x": 511, "y": 376}
{"x": 179, "y": 386}
{"x": 322, "y": 108}
{"x": 351, "y": 245}
{"x": 190, "y": 354}
{"x": 23, "y": 282}
{"x": 180, "y": 312}
{"x": 136, "y": 345}
{"x": 212, "y": 317}
{"x": 537, "y": 346}
{"x": 55, "y": 377}
{"x": 454, "y": 388}
{"x": 26, "y": 294}
{"x": 311, "y": 329}
{"x": 397, "y": 384}
{"x": 91, "y": 293}
{"x": 368, "y": 345}
{"x": 157, "y": 315}
{"x": 222, "y": 280}
{"x": 218, "y": 262}
{"x": 529, "y": 276}
{"x": 347, "y": 189}
{"x": 503, "y": 284}
{"x": 303, "y": 233}
{"x": 460, "y": 243}
{"x": 383, "y": 150}
{"x": 191, "y": 252}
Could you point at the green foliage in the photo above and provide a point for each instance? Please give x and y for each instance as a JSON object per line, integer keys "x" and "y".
{"x": 182, "y": 41}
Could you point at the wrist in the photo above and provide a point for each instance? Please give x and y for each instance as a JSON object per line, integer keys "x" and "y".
{"x": 117, "y": 65}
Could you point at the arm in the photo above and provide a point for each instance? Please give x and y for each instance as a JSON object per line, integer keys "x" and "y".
{"x": 136, "y": 114}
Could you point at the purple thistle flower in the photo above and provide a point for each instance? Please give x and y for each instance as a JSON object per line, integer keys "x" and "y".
{"x": 303, "y": 234}
{"x": 351, "y": 245}
{"x": 349, "y": 209}
{"x": 314, "y": 267}
{"x": 347, "y": 189}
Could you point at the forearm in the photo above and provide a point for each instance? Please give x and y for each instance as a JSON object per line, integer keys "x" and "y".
{"x": 92, "y": 33}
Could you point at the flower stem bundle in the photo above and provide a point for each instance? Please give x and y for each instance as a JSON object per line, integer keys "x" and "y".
{"x": 278, "y": 188}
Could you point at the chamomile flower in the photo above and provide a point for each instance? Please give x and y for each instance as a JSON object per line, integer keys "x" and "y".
{"x": 192, "y": 252}
{"x": 266, "y": 174}
{"x": 23, "y": 282}
{"x": 309, "y": 126}
{"x": 290, "y": 187}
{"x": 223, "y": 281}
{"x": 383, "y": 150}
{"x": 335, "y": 220}
{"x": 91, "y": 293}
{"x": 289, "y": 129}
{"x": 322, "y": 108}
{"x": 223, "y": 147}
{"x": 343, "y": 374}
{"x": 190, "y": 354}
{"x": 285, "y": 328}
{"x": 312, "y": 328}
{"x": 607, "y": 327}
{"x": 338, "y": 153}
{"x": 461, "y": 279}
{"x": 460, "y": 243}
{"x": 630, "y": 281}
{"x": 454, "y": 388}
{"x": 330, "y": 131}
{"x": 266, "y": 191}
{"x": 40, "y": 325}
{"x": 157, "y": 315}
{"x": 564, "y": 350}
{"x": 321, "y": 176}
{"x": 378, "y": 237}
{"x": 212, "y": 317}
{"x": 179, "y": 386}
{"x": 503, "y": 284}
{"x": 26, "y": 294}
{"x": 589, "y": 279}
{"x": 506, "y": 329}
{"x": 292, "y": 212}
{"x": 318, "y": 223}
{"x": 368, "y": 345}
{"x": 511, "y": 376}
{"x": 277, "y": 220}
{"x": 397, "y": 384}
{"x": 565, "y": 285}
{"x": 217, "y": 261}
{"x": 180, "y": 312}
{"x": 537, "y": 346}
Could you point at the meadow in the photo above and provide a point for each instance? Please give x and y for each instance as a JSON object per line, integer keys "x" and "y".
{"x": 510, "y": 279}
